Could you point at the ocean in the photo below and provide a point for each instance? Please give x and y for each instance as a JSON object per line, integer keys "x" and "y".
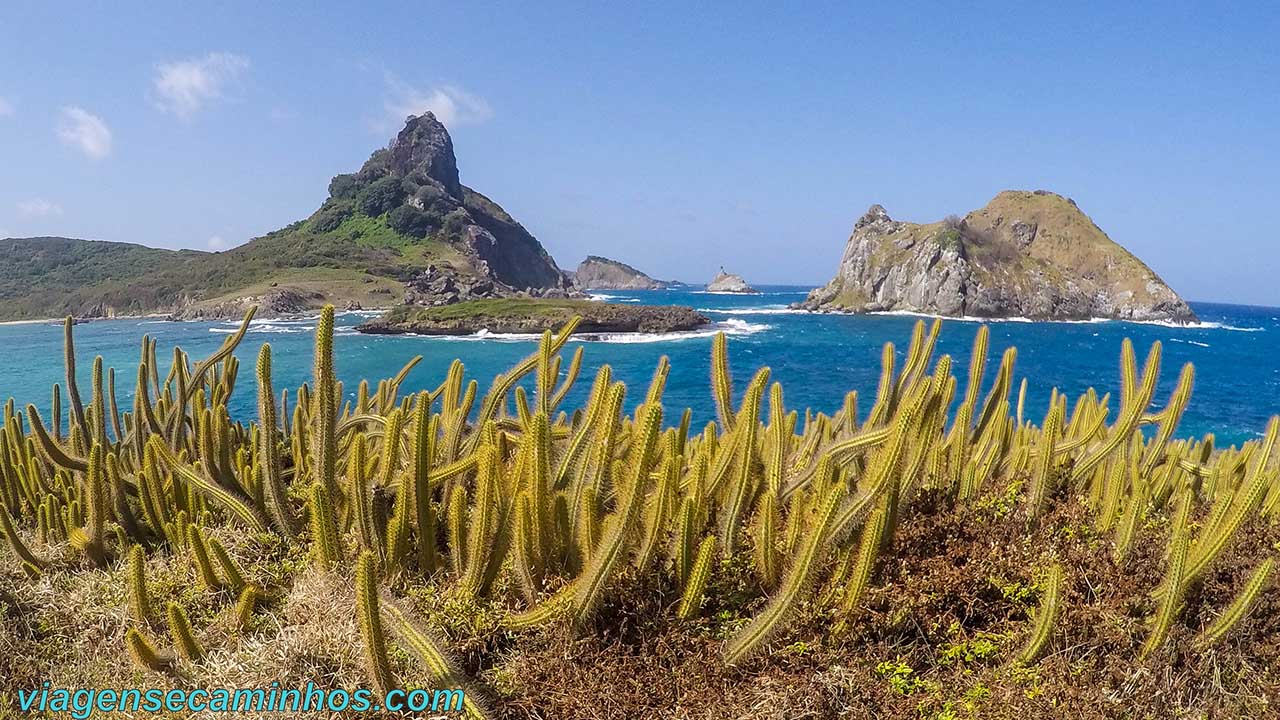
{"x": 817, "y": 358}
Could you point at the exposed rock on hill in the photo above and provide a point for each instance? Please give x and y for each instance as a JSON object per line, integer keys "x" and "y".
{"x": 729, "y": 283}
{"x": 600, "y": 273}
{"x": 1026, "y": 254}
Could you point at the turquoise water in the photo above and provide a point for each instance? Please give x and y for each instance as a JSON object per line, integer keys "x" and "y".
{"x": 1236, "y": 351}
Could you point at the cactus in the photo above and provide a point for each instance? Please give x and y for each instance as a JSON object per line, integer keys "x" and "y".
{"x": 421, "y": 645}
{"x": 144, "y": 653}
{"x": 1174, "y": 585}
{"x": 1042, "y": 478}
{"x": 868, "y": 550}
{"x": 200, "y": 557}
{"x": 323, "y": 409}
{"x": 798, "y": 578}
{"x": 699, "y": 574}
{"x": 370, "y": 621}
{"x": 607, "y": 555}
{"x": 1046, "y": 617}
{"x": 1239, "y": 607}
{"x": 766, "y": 540}
{"x": 274, "y": 490}
{"x": 232, "y": 577}
{"x": 324, "y": 530}
{"x": 183, "y": 638}
{"x": 15, "y": 543}
{"x": 246, "y": 603}
{"x": 139, "y": 598}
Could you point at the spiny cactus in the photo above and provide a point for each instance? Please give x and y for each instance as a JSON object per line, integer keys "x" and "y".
{"x": 1258, "y": 581}
{"x": 274, "y": 490}
{"x": 184, "y": 638}
{"x": 324, "y": 530}
{"x": 613, "y": 543}
{"x": 1046, "y": 616}
{"x": 370, "y": 621}
{"x": 796, "y": 581}
{"x": 421, "y": 645}
{"x": 139, "y": 598}
{"x": 232, "y": 577}
{"x": 245, "y": 606}
{"x": 699, "y": 574}
{"x": 1174, "y": 586}
{"x": 144, "y": 653}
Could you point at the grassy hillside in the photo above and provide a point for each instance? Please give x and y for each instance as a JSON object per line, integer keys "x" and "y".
{"x": 49, "y": 277}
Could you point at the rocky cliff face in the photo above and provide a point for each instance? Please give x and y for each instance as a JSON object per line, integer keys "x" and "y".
{"x": 729, "y": 283}
{"x": 600, "y": 273}
{"x": 1025, "y": 254}
{"x": 431, "y": 201}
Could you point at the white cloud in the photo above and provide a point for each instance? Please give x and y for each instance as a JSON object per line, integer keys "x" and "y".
{"x": 6, "y": 107}
{"x": 216, "y": 243}
{"x": 452, "y": 105}
{"x": 85, "y": 131}
{"x": 185, "y": 86}
{"x": 38, "y": 207}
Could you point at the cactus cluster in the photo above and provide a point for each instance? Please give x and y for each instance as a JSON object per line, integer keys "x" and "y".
{"x": 561, "y": 503}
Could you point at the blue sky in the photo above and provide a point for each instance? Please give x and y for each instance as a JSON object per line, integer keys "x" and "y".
{"x": 673, "y": 136}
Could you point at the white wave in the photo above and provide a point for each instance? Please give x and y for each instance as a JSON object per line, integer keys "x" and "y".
{"x": 731, "y": 326}
{"x": 266, "y": 328}
{"x": 1091, "y": 321}
{"x": 601, "y": 297}
{"x": 1190, "y": 342}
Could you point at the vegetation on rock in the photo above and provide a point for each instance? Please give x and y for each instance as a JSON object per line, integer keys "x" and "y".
{"x": 1025, "y": 254}
{"x": 530, "y": 315}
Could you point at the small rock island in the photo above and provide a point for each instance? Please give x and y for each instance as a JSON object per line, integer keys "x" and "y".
{"x": 725, "y": 282}
{"x": 1032, "y": 255}
{"x": 601, "y": 273}
{"x": 533, "y": 315}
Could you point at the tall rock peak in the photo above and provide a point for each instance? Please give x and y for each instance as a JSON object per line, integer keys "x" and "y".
{"x": 875, "y": 214}
{"x": 424, "y": 146}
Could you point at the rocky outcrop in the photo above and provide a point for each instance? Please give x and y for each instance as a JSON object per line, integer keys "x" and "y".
{"x": 416, "y": 182}
{"x": 275, "y": 302}
{"x": 534, "y": 316}
{"x": 1025, "y": 254}
{"x": 725, "y": 282}
{"x": 600, "y": 273}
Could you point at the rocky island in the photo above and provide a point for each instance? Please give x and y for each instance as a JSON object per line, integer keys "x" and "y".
{"x": 1025, "y": 254}
{"x": 725, "y": 282}
{"x": 601, "y": 273}
{"x": 521, "y": 315}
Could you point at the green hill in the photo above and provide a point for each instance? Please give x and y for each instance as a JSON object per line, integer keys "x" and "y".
{"x": 403, "y": 213}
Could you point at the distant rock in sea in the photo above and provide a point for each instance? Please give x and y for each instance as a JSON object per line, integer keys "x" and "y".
{"x": 729, "y": 283}
{"x": 1025, "y": 254}
{"x": 601, "y": 273}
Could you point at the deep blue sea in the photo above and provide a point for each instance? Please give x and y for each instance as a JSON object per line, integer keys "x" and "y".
{"x": 1236, "y": 351}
